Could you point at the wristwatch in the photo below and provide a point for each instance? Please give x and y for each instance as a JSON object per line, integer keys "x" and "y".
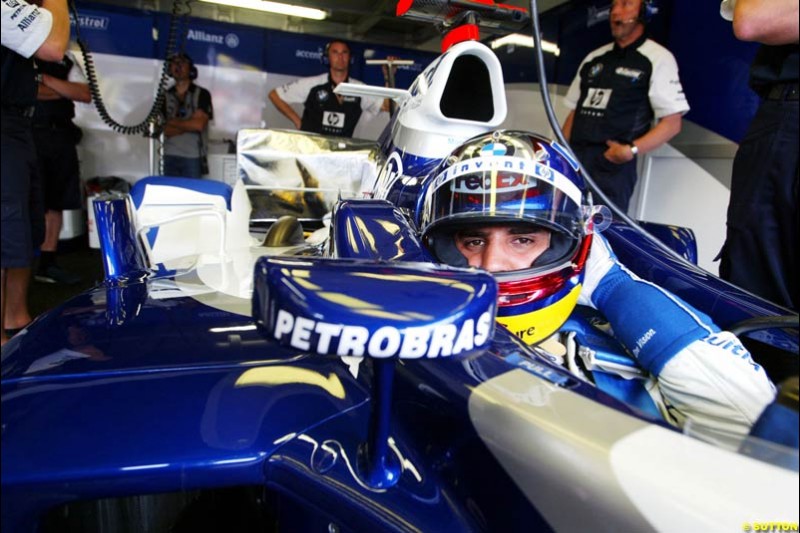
{"x": 634, "y": 149}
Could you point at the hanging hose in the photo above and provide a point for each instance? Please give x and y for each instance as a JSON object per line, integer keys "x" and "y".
{"x": 154, "y": 116}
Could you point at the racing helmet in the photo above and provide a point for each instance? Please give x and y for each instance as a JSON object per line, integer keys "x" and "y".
{"x": 514, "y": 178}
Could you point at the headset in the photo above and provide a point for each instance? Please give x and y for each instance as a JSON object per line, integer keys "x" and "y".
{"x": 192, "y": 68}
{"x": 647, "y": 10}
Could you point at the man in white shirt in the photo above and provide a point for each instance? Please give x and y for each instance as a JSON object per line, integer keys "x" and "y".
{"x": 325, "y": 112}
{"x": 618, "y": 91}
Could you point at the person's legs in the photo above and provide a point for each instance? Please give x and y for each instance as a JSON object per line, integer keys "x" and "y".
{"x": 182, "y": 167}
{"x": 53, "y": 220}
{"x": 58, "y": 166}
{"x": 16, "y": 295}
{"x": 615, "y": 181}
{"x": 22, "y": 224}
{"x": 760, "y": 250}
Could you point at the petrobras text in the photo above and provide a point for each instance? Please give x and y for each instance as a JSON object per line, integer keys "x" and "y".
{"x": 441, "y": 340}
{"x": 483, "y": 183}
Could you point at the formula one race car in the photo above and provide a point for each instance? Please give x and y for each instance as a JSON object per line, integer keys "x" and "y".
{"x": 254, "y": 363}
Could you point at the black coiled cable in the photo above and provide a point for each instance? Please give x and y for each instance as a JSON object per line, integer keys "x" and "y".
{"x": 154, "y": 116}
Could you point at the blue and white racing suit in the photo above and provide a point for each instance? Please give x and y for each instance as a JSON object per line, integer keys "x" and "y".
{"x": 704, "y": 375}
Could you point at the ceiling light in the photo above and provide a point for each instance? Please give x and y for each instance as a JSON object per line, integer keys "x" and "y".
{"x": 517, "y": 39}
{"x": 273, "y": 7}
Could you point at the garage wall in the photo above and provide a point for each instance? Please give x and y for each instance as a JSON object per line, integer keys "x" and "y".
{"x": 238, "y": 64}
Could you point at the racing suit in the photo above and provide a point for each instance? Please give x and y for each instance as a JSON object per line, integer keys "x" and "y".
{"x": 704, "y": 375}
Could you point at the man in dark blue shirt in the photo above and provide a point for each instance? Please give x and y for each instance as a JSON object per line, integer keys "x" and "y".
{"x": 760, "y": 250}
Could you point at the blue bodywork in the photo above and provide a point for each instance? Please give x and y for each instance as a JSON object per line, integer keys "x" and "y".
{"x": 157, "y": 402}
{"x": 119, "y": 393}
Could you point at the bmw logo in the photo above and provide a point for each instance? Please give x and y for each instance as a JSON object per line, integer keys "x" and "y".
{"x": 493, "y": 149}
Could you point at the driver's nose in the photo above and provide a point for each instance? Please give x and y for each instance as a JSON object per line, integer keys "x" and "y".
{"x": 495, "y": 257}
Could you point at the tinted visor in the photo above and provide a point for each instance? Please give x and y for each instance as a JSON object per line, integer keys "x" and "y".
{"x": 500, "y": 189}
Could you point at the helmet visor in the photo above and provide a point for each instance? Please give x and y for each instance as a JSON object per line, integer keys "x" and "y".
{"x": 499, "y": 189}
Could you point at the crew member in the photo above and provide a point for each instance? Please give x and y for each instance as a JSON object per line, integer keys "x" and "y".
{"x": 325, "y": 112}
{"x": 760, "y": 250}
{"x": 61, "y": 83}
{"x": 618, "y": 90}
{"x": 187, "y": 109}
{"x": 43, "y": 32}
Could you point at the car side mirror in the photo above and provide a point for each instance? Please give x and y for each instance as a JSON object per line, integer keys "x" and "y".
{"x": 382, "y": 311}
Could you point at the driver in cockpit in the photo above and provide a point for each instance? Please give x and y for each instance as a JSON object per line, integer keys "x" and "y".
{"x": 511, "y": 203}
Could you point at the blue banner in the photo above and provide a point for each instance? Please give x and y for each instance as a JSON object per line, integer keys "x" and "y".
{"x": 213, "y": 43}
{"x": 714, "y": 69}
{"x": 120, "y": 32}
{"x": 300, "y": 55}
{"x": 304, "y": 55}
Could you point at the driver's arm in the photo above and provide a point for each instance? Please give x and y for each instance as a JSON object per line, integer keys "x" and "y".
{"x": 704, "y": 374}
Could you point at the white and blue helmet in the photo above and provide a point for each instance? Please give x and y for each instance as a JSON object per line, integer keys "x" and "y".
{"x": 513, "y": 177}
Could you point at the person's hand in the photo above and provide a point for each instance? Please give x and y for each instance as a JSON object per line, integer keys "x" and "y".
{"x": 297, "y": 122}
{"x": 618, "y": 153}
{"x": 47, "y": 80}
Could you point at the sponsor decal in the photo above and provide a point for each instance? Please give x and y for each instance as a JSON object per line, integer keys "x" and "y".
{"x": 309, "y": 54}
{"x": 633, "y": 74}
{"x": 595, "y": 70}
{"x": 322, "y": 95}
{"x": 441, "y": 340}
{"x": 90, "y": 22}
{"x": 641, "y": 341}
{"x": 231, "y": 40}
{"x": 484, "y": 183}
{"x": 730, "y": 343}
{"x": 390, "y": 173}
{"x": 333, "y": 119}
{"x": 28, "y": 20}
{"x": 515, "y": 171}
{"x": 492, "y": 149}
{"x": 597, "y": 98}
